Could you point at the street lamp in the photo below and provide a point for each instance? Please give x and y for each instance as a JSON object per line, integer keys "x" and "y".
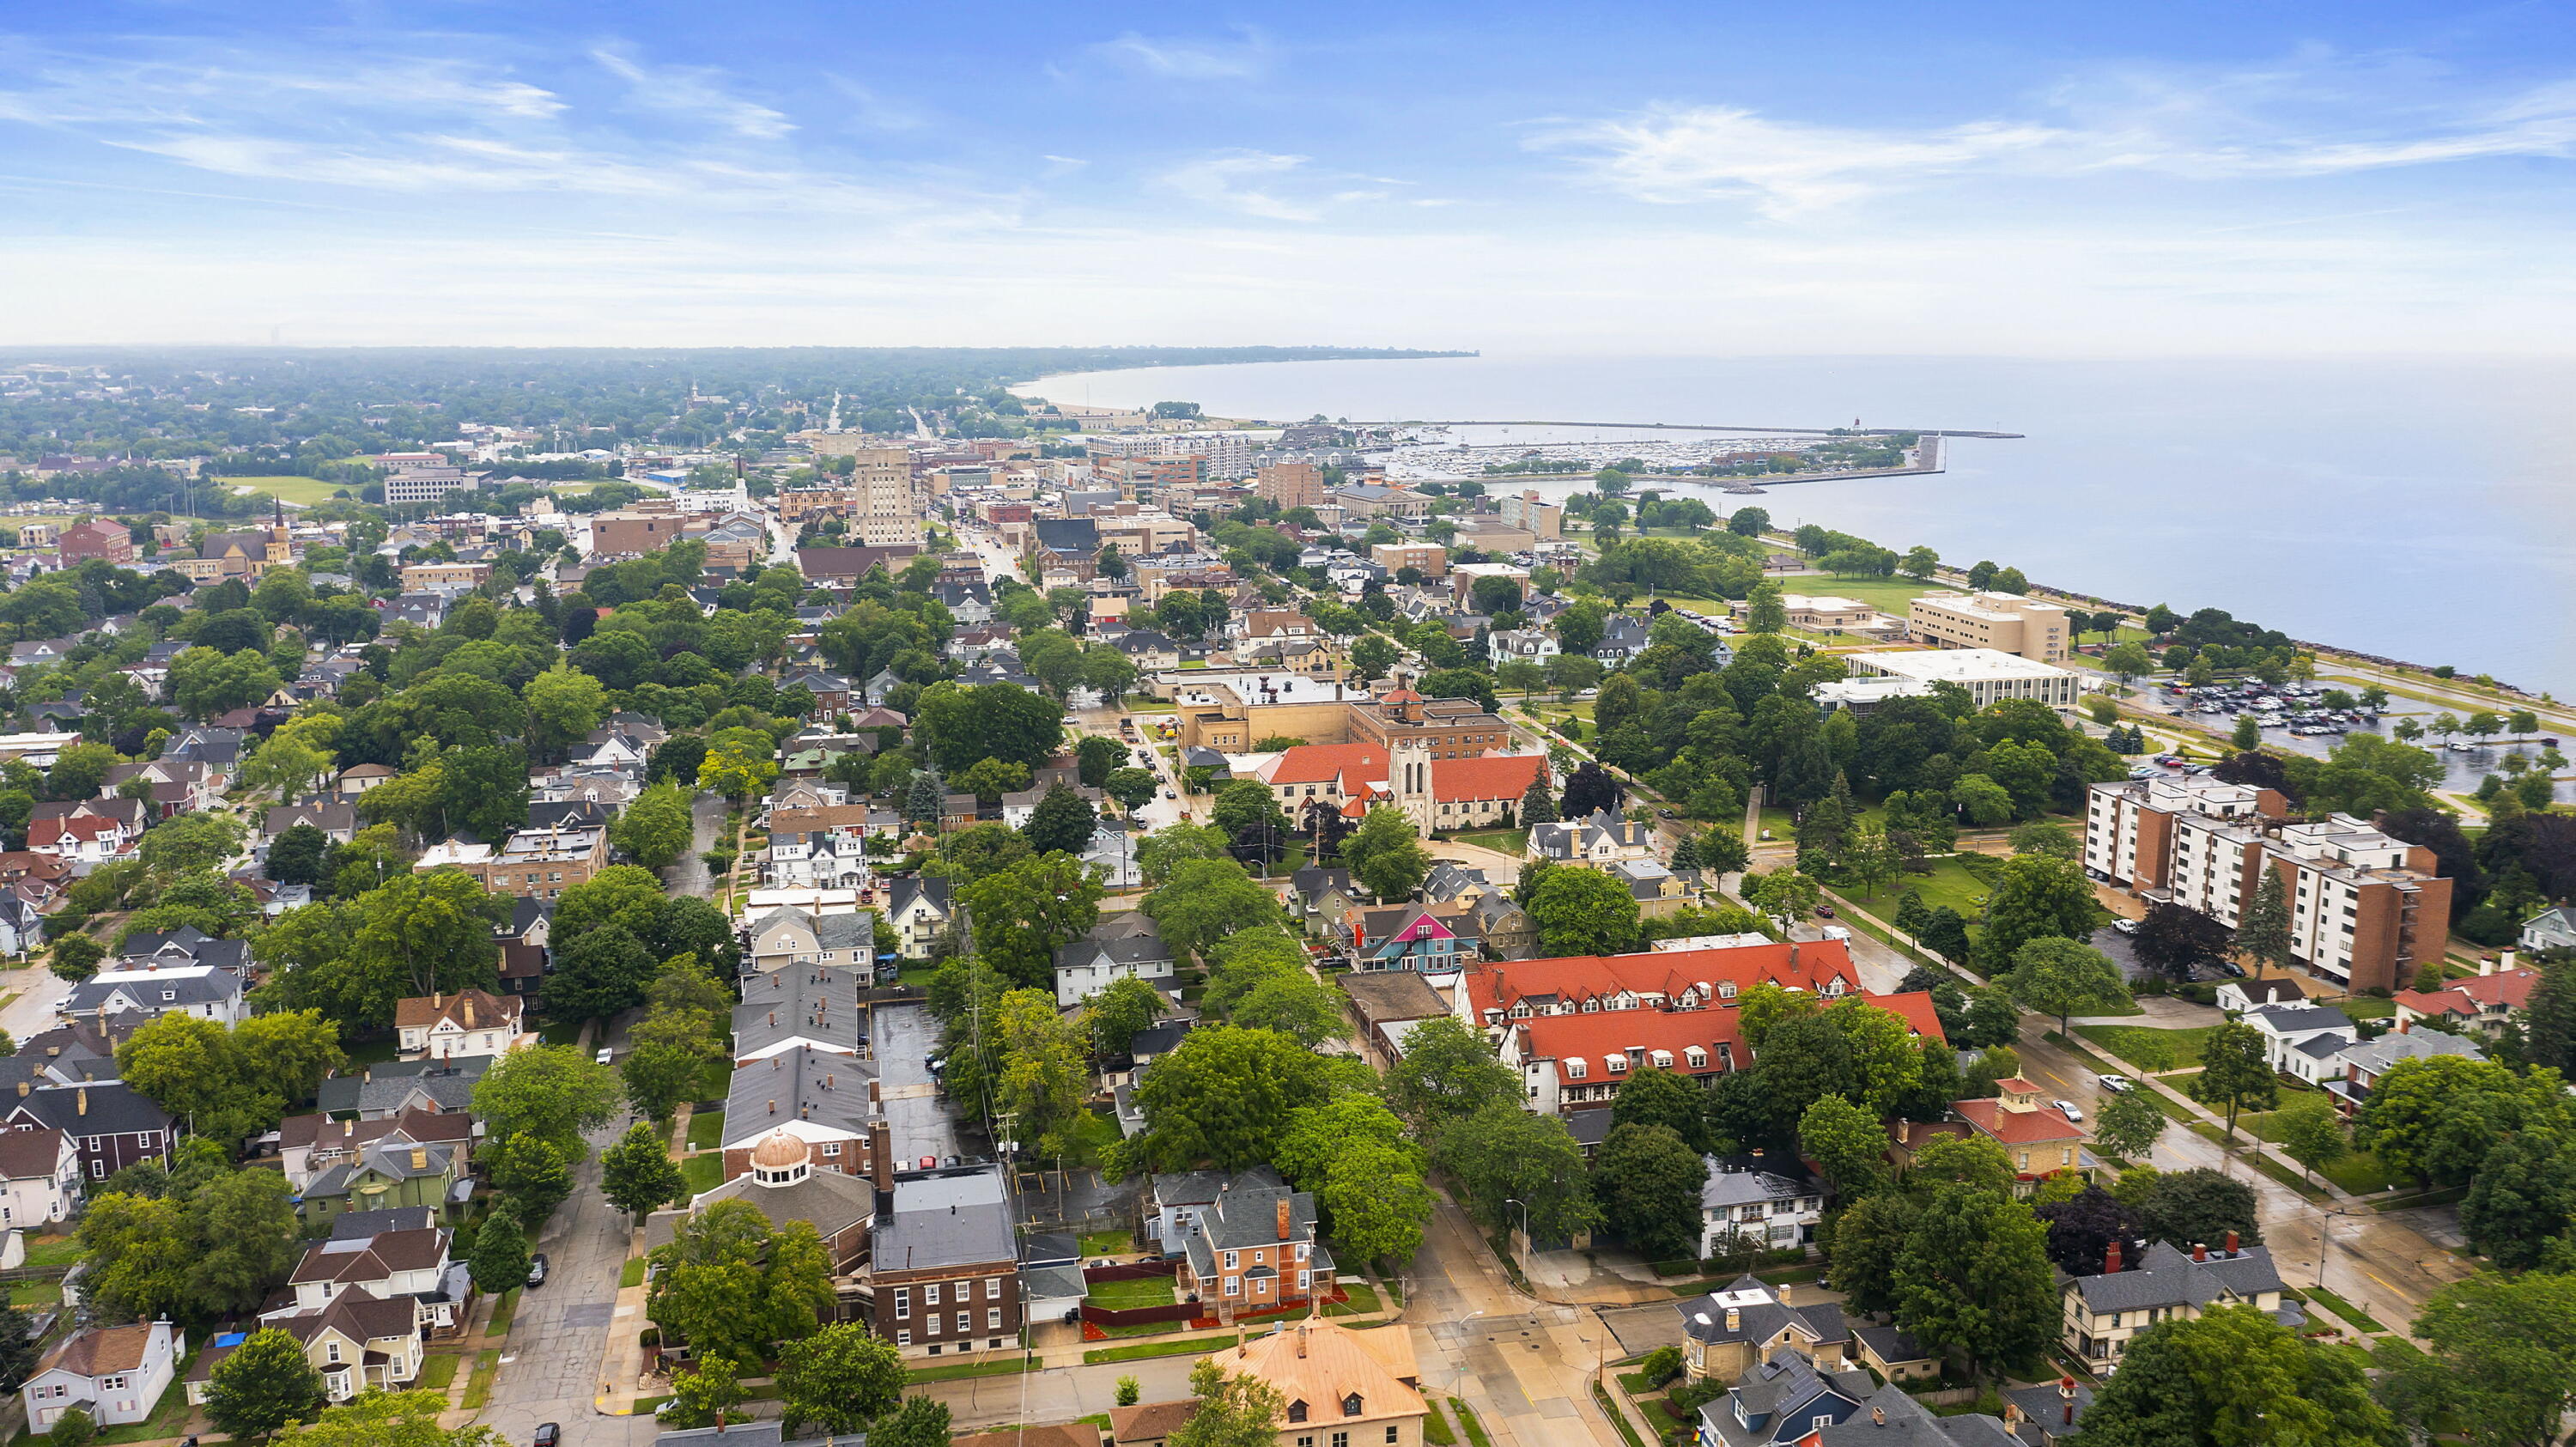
{"x": 1527, "y": 1245}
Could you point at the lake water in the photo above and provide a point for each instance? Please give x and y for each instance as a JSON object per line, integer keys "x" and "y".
{"x": 2421, "y": 511}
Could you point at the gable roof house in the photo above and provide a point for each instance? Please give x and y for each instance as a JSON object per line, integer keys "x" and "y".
{"x": 207, "y": 992}
{"x": 1774, "y": 1201}
{"x": 40, "y": 1181}
{"x": 309, "y": 1145}
{"x": 1362, "y": 1386}
{"x": 390, "y": 1087}
{"x": 114, "y": 1124}
{"x": 2299, "y": 1039}
{"x": 407, "y": 1264}
{"x": 469, "y": 1022}
{"x": 338, "y": 820}
{"x": 818, "y": 1007}
{"x": 1086, "y": 967}
{"x": 919, "y": 910}
{"x": 2482, "y": 1003}
{"x": 2104, "y": 1313}
{"x": 2038, "y": 1138}
{"x": 358, "y": 1341}
{"x": 1253, "y": 1249}
{"x": 1596, "y": 840}
{"x": 790, "y": 937}
{"x": 114, "y": 1373}
{"x": 1726, "y": 1332}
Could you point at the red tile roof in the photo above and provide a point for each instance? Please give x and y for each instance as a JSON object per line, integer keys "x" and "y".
{"x": 2018, "y": 1127}
{"x": 1594, "y": 1038}
{"x": 1326, "y": 763}
{"x": 1808, "y": 965}
{"x": 2476, "y": 995}
{"x": 1494, "y": 776}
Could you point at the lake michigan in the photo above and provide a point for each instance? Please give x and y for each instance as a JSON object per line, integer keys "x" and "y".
{"x": 2420, "y": 510}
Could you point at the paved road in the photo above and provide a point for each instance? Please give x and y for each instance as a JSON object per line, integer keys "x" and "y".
{"x": 689, "y": 875}
{"x": 550, "y": 1372}
{"x": 1523, "y": 1365}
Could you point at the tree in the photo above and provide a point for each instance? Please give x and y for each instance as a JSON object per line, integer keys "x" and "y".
{"x": 1662, "y": 1097}
{"x": 1043, "y": 1057}
{"x": 1589, "y": 789}
{"x": 1125, "y": 1007}
{"x": 550, "y": 1092}
{"x": 1224, "y": 1097}
{"x": 191, "y": 844}
{"x": 711, "y": 1387}
{"x": 1371, "y": 657}
{"x": 1021, "y": 915}
{"x": 2234, "y": 1072}
{"x": 1234, "y": 1409}
{"x": 732, "y": 1286}
{"x": 18, "y": 1351}
{"x": 1974, "y": 1279}
{"x": 2128, "y": 661}
{"x": 656, "y": 828}
{"x": 76, "y": 956}
{"x": 2310, "y": 1129}
{"x": 2173, "y": 938}
{"x": 262, "y": 1385}
{"x": 2034, "y": 896}
{"x": 532, "y": 1175}
{"x": 1867, "y": 857}
{"x": 247, "y": 1240}
{"x": 922, "y": 1422}
{"x": 387, "y": 1419}
{"x": 1503, "y": 1154}
{"x": 2082, "y": 1227}
{"x": 2129, "y": 1125}
{"x": 637, "y": 1174}
{"x": 73, "y": 1427}
{"x": 500, "y": 1257}
{"x": 2056, "y": 976}
{"x": 2263, "y": 932}
{"x": 1095, "y": 756}
{"x": 741, "y": 763}
{"x": 2235, "y": 1375}
{"x": 1377, "y": 1201}
{"x": 1062, "y": 822}
{"x": 839, "y": 1379}
{"x": 1971, "y": 1161}
{"x": 1293, "y": 1002}
{"x": 988, "y": 721}
{"x": 1130, "y": 1391}
{"x": 598, "y": 973}
{"x": 1648, "y": 1183}
{"x": 2498, "y": 1361}
{"x": 1764, "y": 612}
{"x": 2518, "y": 1209}
{"x": 1385, "y": 855}
{"x": 2437, "y": 1118}
{"x": 1847, "y": 1143}
{"x": 1582, "y": 912}
{"x": 2193, "y": 1207}
{"x": 1448, "y": 1072}
{"x": 1202, "y": 901}
{"x": 295, "y": 857}
{"x": 1538, "y": 803}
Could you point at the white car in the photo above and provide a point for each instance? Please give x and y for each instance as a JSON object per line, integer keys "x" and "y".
{"x": 2116, "y": 1084}
{"x": 2125, "y": 926}
{"x": 2068, "y": 1109}
{"x": 605, "y": 1056}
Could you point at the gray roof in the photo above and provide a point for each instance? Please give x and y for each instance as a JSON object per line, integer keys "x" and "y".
{"x": 907, "y": 888}
{"x": 2374, "y": 1057}
{"x": 946, "y": 1218}
{"x": 800, "y": 1083}
{"x": 1704, "y": 1317}
{"x": 828, "y": 1200}
{"x": 110, "y": 1107}
{"x": 819, "y": 1003}
{"x": 2166, "y": 1276}
{"x": 1200, "y": 1188}
{"x": 843, "y": 931}
{"x": 2321, "y": 1046}
{"x": 1127, "y": 949}
{"x": 1052, "y": 1283}
{"x": 366, "y": 1225}
{"x": 383, "y": 1088}
{"x": 2287, "y": 1019}
{"x": 745, "y": 1434}
{"x": 1744, "y": 1180}
{"x": 160, "y": 992}
{"x": 1890, "y": 1345}
{"x": 2045, "y": 1406}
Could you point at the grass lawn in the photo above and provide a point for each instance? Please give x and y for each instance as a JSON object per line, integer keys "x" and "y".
{"x": 437, "y": 1370}
{"x": 1610, "y": 1409}
{"x": 1949, "y": 884}
{"x": 1504, "y": 841}
{"x": 706, "y": 1129}
{"x": 2345, "y": 1309}
{"x": 503, "y": 1312}
{"x": 1142, "y": 1350}
{"x": 559, "y": 1032}
{"x": 1435, "y": 1427}
{"x": 703, "y": 1173}
{"x": 1128, "y": 1295}
{"x": 999, "y": 1367}
{"x": 2366, "y": 1007}
{"x": 305, "y": 491}
{"x": 53, "y": 1251}
{"x": 36, "y": 1293}
{"x": 1107, "y": 1243}
{"x": 2149, "y": 1048}
{"x": 478, "y": 1387}
{"x": 1467, "y": 1419}
{"x": 2359, "y": 1172}
{"x": 1363, "y": 1301}
{"x": 632, "y": 1273}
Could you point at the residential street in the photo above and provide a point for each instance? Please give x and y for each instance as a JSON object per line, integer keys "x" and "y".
{"x": 688, "y": 875}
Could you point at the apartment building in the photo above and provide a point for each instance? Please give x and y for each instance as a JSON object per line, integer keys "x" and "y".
{"x": 1532, "y": 513}
{"x": 634, "y": 532}
{"x": 1988, "y": 674}
{"x": 885, "y": 506}
{"x": 1290, "y": 484}
{"x": 2364, "y": 908}
{"x": 406, "y": 485}
{"x": 2005, "y": 622}
{"x": 1431, "y": 558}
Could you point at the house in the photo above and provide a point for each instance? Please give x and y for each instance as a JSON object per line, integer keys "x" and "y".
{"x": 1659, "y": 892}
{"x": 1775, "y": 1202}
{"x": 1175, "y": 1200}
{"x": 310, "y": 1145}
{"x": 185, "y": 946}
{"x": 2360, "y": 1065}
{"x": 1085, "y": 967}
{"x": 1726, "y": 1332}
{"x": 2038, "y": 1138}
{"x": 1388, "y": 1005}
{"x": 115, "y": 1373}
{"x": 390, "y": 1172}
{"x": 1253, "y": 1249}
{"x": 1359, "y": 1388}
{"x": 1507, "y": 929}
{"x": 1895, "y": 1354}
{"x": 338, "y": 820}
{"x": 2480, "y": 1004}
{"x": 469, "y": 1022}
{"x": 1886, "y": 1418}
{"x": 1600, "y": 839}
{"x": 2047, "y": 1415}
{"x": 919, "y": 910}
{"x": 410, "y": 1264}
{"x": 1521, "y": 645}
{"x": 1783, "y": 1399}
{"x": 783, "y": 1183}
{"x": 357, "y": 1341}
{"x": 114, "y": 1124}
{"x": 944, "y": 1263}
{"x": 1429, "y": 939}
{"x": 1149, "y": 1424}
{"x": 2551, "y": 929}
{"x": 1492, "y": 993}
{"x": 1322, "y": 896}
{"x": 817, "y": 1007}
{"x": 2239, "y": 996}
{"x": 2298, "y": 1038}
{"x": 819, "y": 1097}
{"x": 2105, "y": 1313}
{"x": 40, "y": 1178}
{"x": 790, "y": 937}
{"x": 1622, "y": 639}
{"x": 207, "y": 992}
{"x": 389, "y": 1088}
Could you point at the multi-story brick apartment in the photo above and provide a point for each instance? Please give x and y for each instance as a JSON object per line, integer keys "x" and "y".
{"x": 944, "y": 1263}
{"x": 1431, "y": 558}
{"x": 634, "y": 532}
{"x": 2365, "y": 909}
{"x": 2005, "y": 622}
{"x": 95, "y": 538}
{"x": 1290, "y": 484}
{"x": 1254, "y": 1249}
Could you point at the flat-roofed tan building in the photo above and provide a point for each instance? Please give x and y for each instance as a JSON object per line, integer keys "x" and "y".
{"x": 2004, "y": 622}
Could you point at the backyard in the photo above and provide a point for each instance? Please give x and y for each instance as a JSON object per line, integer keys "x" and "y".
{"x": 1128, "y": 1295}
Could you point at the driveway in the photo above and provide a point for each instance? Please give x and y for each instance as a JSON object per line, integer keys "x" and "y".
{"x": 905, "y": 1037}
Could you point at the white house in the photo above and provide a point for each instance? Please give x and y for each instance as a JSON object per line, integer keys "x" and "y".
{"x": 1771, "y": 1200}
{"x": 39, "y": 1178}
{"x": 2300, "y": 1040}
{"x": 206, "y": 991}
{"x": 469, "y": 1022}
{"x": 115, "y": 1373}
{"x": 918, "y": 909}
{"x": 406, "y": 1265}
{"x": 1085, "y": 967}
{"x": 1598, "y": 840}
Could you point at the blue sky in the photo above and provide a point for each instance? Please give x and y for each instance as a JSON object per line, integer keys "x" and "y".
{"x": 1965, "y": 178}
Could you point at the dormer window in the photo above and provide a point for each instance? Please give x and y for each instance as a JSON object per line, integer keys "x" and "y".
{"x": 1697, "y": 1057}
{"x": 1726, "y": 990}
{"x": 1351, "y": 1405}
{"x": 1296, "y": 1411}
{"x": 1574, "y": 1068}
{"x": 1618, "y": 1064}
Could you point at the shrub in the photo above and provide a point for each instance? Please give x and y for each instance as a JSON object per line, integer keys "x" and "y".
{"x": 1661, "y": 1365}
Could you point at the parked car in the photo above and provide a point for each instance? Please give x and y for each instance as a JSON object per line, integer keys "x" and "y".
{"x": 550, "y": 1434}
{"x": 2125, "y": 926}
{"x": 537, "y": 1269}
{"x": 1826, "y": 910}
{"x": 605, "y": 1056}
{"x": 2068, "y": 1109}
{"x": 2116, "y": 1084}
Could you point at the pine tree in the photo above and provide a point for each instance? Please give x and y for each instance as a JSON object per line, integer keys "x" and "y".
{"x": 1538, "y": 806}
{"x": 926, "y": 799}
{"x": 2263, "y": 932}
{"x": 500, "y": 1257}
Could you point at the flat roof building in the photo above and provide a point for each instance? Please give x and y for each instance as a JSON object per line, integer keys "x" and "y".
{"x": 2005, "y": 622}
{"x": 1987, "y": 674}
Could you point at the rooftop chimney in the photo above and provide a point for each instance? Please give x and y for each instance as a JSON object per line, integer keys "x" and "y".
{"x": 1283, "y": 1235}
{"x": 2111, "y": 1258}
{"x": 1878, "y": 1416}
{"x": 83, "y": 1100}
{"x": 2231, "y": 1243}
{"x": 1734, "y": 1319}
{"x": 1784, "y": 1293}
{"x": 881, "y": 1153}
{"x": 2486, "y": 965}
{"x": 2200, "y": 1251}
{"x": 1301, "y": 1340}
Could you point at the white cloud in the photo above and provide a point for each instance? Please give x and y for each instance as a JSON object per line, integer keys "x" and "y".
{"x": 1184, "y": 59}
{"x": 693, "y": 91}
{"x": 874, "y": 111}
{"x": 2274, "y": 124}
{"x": 1223, "y": 181}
